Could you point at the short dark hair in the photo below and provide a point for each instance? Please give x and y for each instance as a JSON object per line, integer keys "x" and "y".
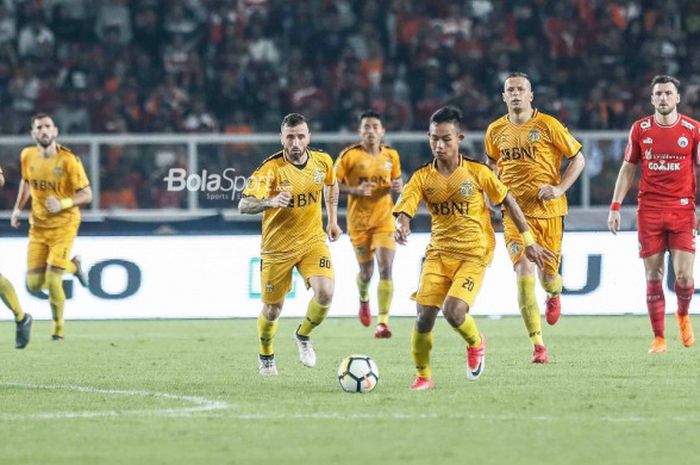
{"x": 447, "y": 114}
{"x": 37, "y": 116}
{"x": 517, "y": 74}
{"x": 665, "y": 79}
{"x": 293, "y": 119}
{"x": 370, "y": 114}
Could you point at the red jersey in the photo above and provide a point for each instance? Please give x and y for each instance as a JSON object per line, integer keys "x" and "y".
{"x": 668, "y": 155}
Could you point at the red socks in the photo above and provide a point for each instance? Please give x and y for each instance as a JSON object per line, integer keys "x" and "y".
{"x": 684, "y": 294}
{"x": 656, "y": 306}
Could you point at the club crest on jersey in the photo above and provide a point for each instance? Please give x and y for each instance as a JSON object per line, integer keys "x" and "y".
{"x": 647, "y": 154}
{"x": 57, "y": 171}
{"x": 466, "y": 189}
{"x": 533, "y": 136}
{"x": 318, "y": 176}
{"x": 683, "y": 142}
{"x": 645, "y": 124}
{"x": 388, "y": 165}
{"x": 648, "y": 140}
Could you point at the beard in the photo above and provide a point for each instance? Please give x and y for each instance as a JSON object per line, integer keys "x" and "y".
{"x": 665, "y": 111}
{"x": 45, "y": 142}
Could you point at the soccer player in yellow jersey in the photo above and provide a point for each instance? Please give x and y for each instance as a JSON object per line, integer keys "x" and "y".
{"x": 526, "y": 147}
{"x": 23, "y": 320}
{"x": 461, "y": 241}
{"x": 368, "y": 172}
{"x": 55, "y": 180}
{"x": 288, "y": 189}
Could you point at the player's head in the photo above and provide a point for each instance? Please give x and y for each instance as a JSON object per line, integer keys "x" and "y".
{"x": 445, "y": 132}
{"x": 44, "y": 131}
{"x": 664, "y": 94}
{"x": 517, "y": 92}
{"x": 371, "y": 128}
{"x": 294, "y": 135}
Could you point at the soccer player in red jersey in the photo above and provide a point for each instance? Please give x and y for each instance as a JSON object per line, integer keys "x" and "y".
{"x": 666, "y": 146}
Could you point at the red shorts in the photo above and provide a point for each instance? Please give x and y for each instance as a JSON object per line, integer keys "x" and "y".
{"x": 660, "y": 230}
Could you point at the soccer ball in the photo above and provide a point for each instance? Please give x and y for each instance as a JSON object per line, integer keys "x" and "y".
{"x": 358, "y": 373}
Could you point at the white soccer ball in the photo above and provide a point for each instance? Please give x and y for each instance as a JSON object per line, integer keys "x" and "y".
{"x": 358, "y": 373}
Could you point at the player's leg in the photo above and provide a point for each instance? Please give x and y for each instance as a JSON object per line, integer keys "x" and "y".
{"x": 460, "y": 298}
{"x": 435, "y": 281}
{"x": 275, "y": 282}
{"x": 23, "y": 321}
{"x": 549, "y": 235}
{"x": 317, "y": 270}
{"x": 385, "y": 290}
{"x": 681, "y": 242}
{"x": 362, "y": 246}
{"x": 652, "y": 246}
{"x": 60, "y": 244}
{"x": 684, "y": 287}
{"x": 422, "y": 344}
{"x": 527, "y": 302}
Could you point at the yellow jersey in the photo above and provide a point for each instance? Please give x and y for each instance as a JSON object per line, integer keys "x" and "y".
{"x": 528, "y": 156}
{"x": 61, "y": 176}
{"x": 296, "y": 228}
{"x": 460, "y": 220}
{"x": 355, "y": 166}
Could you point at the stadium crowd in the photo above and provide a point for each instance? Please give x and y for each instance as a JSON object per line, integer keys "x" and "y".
{"x": 237, "y": 66}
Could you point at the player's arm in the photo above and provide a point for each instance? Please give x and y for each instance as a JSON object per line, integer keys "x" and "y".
{"x": 331, "y": 194}
{"x": 625, "y": 178}
{"x": 252, "y": 205}
{"x": 364, "y": 189}
{"x": 534, "y": 252}
{"x": 23, "y": 194}
{"x": 571, "y": 174}
{"x": 82, "y": 197}
{"x": 406, "y": 207}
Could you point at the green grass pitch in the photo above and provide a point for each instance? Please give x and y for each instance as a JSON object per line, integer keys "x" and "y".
{"x": 188, "y": 392}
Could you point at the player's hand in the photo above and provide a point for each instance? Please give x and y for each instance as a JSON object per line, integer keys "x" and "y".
{"x": 614, "y": 221}
{"x": 14, "y": 219}
{"x": 333, "y": 231}
{"x": 539, "y": 255}
{"x": 281, "y": 200}
{"x": 364, "y": 189}
{"x": 403, "y": 230}
{"x": 397, "y": 184}
{"x": 549, "y": 192}
{"x": 53, "y": 205}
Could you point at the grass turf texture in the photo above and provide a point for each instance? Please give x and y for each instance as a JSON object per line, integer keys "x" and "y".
{"x": 601, "y": 400}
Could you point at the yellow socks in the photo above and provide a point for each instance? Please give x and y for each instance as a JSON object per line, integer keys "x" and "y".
{"x": 57, "y": 298}
{"x": 554, "y": 286}
{"x": 421, "y": 344}
{"x": 266, "y": 333}
{"x": 315, "y": 314}
{"x": 363, "y": 287}
{"x": 35, "y": 281}
{"x": 469, "y": 331}
{"x": 8, "y": 295}
{"x": 528, "y": 308}
{"x": 385, "y": 292}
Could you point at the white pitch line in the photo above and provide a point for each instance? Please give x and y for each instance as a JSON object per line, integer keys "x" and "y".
{"x": 201, "y": 404}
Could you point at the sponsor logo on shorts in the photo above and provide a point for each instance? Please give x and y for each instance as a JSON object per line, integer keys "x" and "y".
{"x": 514, "y": 248}
{"x": 269, "y": 287}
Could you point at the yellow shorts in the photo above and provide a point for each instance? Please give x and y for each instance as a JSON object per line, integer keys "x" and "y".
{"x": 276, "y": 275}
{"x": 50, "y": 246}
{"x": 445, "y": 276}
{"x": 547, "y": 232}
{"x": 364, "y": 243}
